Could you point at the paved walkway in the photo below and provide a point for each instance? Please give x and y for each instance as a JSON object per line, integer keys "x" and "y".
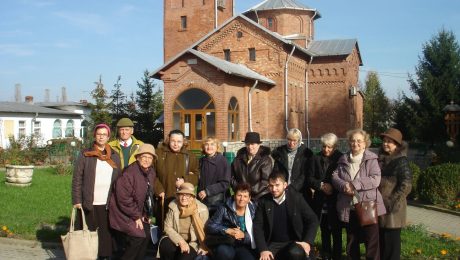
{"x": 15, "y": 249}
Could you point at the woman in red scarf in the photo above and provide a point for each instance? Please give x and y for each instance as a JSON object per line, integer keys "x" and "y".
{"x": 95, "y": 170}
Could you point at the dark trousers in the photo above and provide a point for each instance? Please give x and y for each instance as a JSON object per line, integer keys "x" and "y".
{"x": 228, "y": 252}
{"x": 98, "y": 219}
{"x": 169, "y": 251}
{"x": 328, "y": 230}
{"x": 390, "y": 243}
{"x": 136, "y": 247}
{"x": 288, "y": 250}
{"x": 355, "y": 234}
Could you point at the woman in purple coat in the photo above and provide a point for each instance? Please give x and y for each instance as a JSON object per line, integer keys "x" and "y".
{"x": 131, "y": 205}
{"x": 357, "y": 178}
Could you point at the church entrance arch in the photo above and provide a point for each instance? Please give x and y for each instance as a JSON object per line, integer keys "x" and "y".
{"x": 194, "y": 113}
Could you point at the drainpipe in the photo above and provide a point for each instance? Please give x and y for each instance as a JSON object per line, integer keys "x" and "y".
{"x": 307, "y": 119}
{"x": 32, "y": 123}
{"x": 215, "y": 13}
{"x": 286, "y": 112}
{"x": 257, "y": 16}
{"x": 250, "y": 105}
{"x": 311, "y": 34}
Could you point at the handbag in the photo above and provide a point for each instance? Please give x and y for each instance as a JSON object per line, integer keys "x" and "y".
{"x": 367, "y": 212}
{"x": 80, "y": 244}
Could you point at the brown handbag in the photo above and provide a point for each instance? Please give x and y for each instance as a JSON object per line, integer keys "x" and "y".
{"x": 367, "y": 212}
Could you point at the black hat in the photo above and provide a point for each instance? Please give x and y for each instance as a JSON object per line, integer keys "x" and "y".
{"x": 252, "y": 138}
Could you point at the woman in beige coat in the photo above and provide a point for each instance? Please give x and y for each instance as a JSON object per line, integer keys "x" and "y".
{"x": 184, "y": 226}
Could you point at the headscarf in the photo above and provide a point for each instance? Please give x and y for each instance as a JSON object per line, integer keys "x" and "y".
{"x": 103, "y": 157}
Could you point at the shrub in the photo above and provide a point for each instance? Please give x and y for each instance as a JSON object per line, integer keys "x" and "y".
{"x": 63, "y": 169}
{"x": 439, "y": 184}
{"x": 415, "y": 170}
{"x": 23, "y": 151}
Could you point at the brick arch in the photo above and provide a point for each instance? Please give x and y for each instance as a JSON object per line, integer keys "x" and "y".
{"x": 297, "y": 27}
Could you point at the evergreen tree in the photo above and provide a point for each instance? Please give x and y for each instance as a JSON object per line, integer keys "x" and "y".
{"x": 100, "y": 110}
{"x": 149, "y": 108}
{"x": 118, "y": 105}
{"x": 377, "y": 107}
{"x": 437, "y": 82}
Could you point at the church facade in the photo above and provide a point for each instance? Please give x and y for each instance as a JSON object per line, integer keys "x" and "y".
{"x": 263, "y": 71}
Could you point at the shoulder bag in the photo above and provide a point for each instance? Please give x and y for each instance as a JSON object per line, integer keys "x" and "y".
{"x": 367, "y": 211}
{"x": 80, "y": 244}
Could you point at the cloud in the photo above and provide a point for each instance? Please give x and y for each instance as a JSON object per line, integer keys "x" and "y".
{"x": 85, "y": 21}
{"x": 16, "y": 50}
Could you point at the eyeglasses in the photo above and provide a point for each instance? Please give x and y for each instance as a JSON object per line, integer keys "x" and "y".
{"x": 146, "y": 157}
{"x": 185, "y": 195}
{"x": 103, "y": 135}
{"x": 356, "y": 141}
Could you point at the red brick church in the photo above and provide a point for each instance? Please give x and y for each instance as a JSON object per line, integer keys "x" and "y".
{"x": 263, "y": 71}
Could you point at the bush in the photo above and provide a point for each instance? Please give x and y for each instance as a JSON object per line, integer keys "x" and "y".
{"x": 23, "y": 151}
{"x": 63, "y": 169}
{"x": 440, "y": 184}
{"x": 415, "y": 170}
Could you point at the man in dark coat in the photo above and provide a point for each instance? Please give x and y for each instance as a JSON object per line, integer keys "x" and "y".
{"x": 293, "y": 159}
{"x": 252, "y": 165}
{"x": 284, "y": 225}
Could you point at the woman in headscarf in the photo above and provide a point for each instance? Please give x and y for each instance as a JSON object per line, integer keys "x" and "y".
{"x": 184, "y": 226}
{"x": 95, "y": 171}
{"x": 395, "y": 185}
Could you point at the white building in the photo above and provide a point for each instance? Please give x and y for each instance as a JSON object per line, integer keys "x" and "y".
{"x": 25, "y": 119}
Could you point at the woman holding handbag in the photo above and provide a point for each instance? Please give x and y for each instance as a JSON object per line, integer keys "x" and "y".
{"x": 395, "y": 186}
{"x": 95, "y": 171}
{"x": 357, "y": 179}
{"x": 214, "y": 175}
{"x": 131, "y": 203}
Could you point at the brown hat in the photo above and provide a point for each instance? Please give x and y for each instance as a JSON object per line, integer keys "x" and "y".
{"x": 252, "y": 138}
{"x": 186, "y": 188}
{"x": 394, "y": 134}
{"x": 146, "y": 148}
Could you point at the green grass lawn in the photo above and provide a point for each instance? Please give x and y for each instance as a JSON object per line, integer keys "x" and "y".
{"x": 40, "y": 211}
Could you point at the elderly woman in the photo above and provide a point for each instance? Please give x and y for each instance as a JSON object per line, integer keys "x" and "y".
{"x": 292, "y": 159}
{"x": 95, "y": 171}
{"x": 214, "y": 178}
{"x": 233, "y": 222}
{"x": 184, "y": 226}
{"x": 395, "y": 186}
{"x": 324, "y": 199}
{"x": 131, "y": 203}
{"x": 357, "y": 179}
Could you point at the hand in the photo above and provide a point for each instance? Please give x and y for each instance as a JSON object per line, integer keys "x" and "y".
{"x": 191, "y": 173}
{"x": 349, "y": 189}
{"x": 139, "y": 224}
{"x": 77, "y": 206}
{"x": 184, "y": 247}
{"x": 306, "y": 247}
{"x": 162, "y": 195}
{"x": 266, "y": 255}
{"x": 235, "y": 232}
{"x": 179, "y": 182}
{"x": 202, "y": 195}
{"x": 327, "y": 188}
{"x": 202, "y": 251}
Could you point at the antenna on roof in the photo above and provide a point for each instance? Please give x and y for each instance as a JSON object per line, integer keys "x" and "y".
{"x": 17, "y": 95}
{"x": 64, "y": 94}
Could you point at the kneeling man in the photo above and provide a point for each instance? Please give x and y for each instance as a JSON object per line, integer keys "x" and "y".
{"x": 284, "y": 225}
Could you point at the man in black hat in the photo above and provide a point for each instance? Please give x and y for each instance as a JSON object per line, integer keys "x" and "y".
{"x": 252, "y": 165}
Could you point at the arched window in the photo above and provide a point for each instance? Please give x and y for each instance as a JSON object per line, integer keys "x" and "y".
{"x": 69, "y": 130}
{"x": 194, "y": 113}
{"x": 84, "y": 129}
{"x": 57, "y": 131}
{"x": 233, "y": 120}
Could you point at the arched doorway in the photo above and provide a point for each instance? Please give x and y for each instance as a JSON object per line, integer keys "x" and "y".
{"x": 194, "y": 113}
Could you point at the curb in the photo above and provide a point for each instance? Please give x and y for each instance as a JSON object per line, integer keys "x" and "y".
{"x": 432, "y": 207}
{"x": 30, "y": 243}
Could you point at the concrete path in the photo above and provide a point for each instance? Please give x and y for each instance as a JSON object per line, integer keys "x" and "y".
{"x": 15, "y": 249}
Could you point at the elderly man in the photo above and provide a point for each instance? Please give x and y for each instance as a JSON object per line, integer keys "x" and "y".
{"x": 126, "y": 144}
{"x": 284, "y": 225}
{"x": 252, "y": 165}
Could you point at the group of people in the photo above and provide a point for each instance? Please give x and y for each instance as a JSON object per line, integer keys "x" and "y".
{"x": 264, "y": 205}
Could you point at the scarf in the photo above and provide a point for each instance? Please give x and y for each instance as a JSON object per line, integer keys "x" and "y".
{"x": 248, "y": 223}
{"x": 103, "y": 157}
{"x": 192, "y": 211}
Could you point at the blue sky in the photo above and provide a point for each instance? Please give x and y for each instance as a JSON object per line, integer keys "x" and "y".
{"x": 48, "y": 44}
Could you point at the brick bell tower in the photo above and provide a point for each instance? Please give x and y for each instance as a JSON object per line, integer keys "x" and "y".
{"x": 187, "y": 21}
